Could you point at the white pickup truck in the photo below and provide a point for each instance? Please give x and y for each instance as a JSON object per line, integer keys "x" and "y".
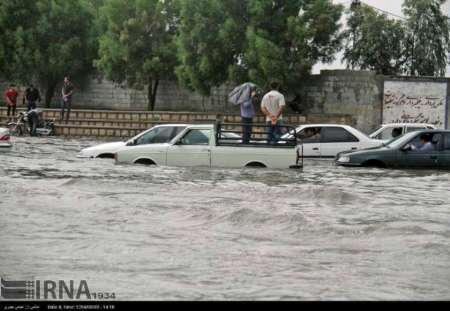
{"x": 201, "y": 145}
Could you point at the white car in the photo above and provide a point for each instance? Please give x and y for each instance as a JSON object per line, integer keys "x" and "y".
{"x": 197, "y": 145}
{"x": 5, "y": 142}
{"x": 155, "y": 135}
{"x": 327, "y": 140}
{"x": 389, "y": 131}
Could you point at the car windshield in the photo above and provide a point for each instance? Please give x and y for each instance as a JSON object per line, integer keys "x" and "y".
{"x": 163, "y": 134}
{"x": 398, "y": 141}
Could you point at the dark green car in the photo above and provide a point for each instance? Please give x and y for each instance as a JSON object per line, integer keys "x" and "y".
{"x": 424, "y": 149}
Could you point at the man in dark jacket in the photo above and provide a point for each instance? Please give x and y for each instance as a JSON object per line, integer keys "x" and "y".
{"x": 66, "y": 93}
{"x": 31, "y": 96}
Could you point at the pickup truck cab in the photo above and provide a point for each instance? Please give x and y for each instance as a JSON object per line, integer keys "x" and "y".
{"x": 203, "y": 145}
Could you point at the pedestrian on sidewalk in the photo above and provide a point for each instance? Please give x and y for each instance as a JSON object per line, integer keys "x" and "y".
{"x": 272, "y": 106}
{"x": 11, "y": 95}
{"x": 31, "y": 97}
{"x": 66, "y": 103}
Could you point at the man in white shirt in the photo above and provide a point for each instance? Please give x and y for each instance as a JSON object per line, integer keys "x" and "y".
{"x": 272, "y": 106}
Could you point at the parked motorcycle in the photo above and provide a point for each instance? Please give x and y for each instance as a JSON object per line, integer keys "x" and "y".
{"x": 32, "y": 123}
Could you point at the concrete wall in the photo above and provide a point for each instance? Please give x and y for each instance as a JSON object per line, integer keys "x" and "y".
{"x": 357, "y": 93}
{"x": 416, "y": 100}
{"x": 104, "y": 94}
{"x": 338, "y": 92}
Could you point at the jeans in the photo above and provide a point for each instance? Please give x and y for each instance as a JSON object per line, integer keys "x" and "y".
{"x": 247, "y": 129}
{"x": 31, "y": 105}
{"x": 66, "y": 104}
{"x": 12, "y": 110}
{"x": 274, "y": 132}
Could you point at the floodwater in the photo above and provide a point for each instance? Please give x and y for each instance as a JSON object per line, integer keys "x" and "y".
{"x": 144, "y": 233}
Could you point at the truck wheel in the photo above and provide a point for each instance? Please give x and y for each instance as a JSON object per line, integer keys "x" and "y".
{"x": 374, "y": 163}
{"x": 256, "y": 165}
{"x": 145, "y": 162}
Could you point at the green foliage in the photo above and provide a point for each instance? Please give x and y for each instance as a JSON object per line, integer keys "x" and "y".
{"x": 259, "y": 40}
{"x": 44, "y": 40}
{"x": 428, "y": 37}
{"x": 418, "y": 46}
{"x": 375, "y": 42}
{"x": 138, "y": 46}
{"x": 209, "y": 41}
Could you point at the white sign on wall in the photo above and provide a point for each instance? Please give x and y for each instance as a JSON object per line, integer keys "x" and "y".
{"x": 415, "y": 102}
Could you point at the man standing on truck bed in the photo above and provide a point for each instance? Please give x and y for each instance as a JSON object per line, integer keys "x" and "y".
{"x": 272, "y": 106}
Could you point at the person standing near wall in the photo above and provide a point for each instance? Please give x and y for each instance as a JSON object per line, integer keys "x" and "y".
{"x": 11, "y": 95}
{"x": 66, "y": 103}
{"x": 31, "y": 97}
{"x": 272, "y": 106}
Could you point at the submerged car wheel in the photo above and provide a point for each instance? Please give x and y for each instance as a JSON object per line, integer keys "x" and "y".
{"x": 145, "y": 162}
{"x": 106, "y": 156}
{"x": 256, "y": 165}
{"x": 374, "y": 163}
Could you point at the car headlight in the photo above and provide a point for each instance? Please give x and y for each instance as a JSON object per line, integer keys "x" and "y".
{"x": 344, "y": 159}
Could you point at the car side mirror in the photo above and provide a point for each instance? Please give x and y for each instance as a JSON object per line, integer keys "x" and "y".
{"x": 131, "y": 143}
{"x": 407, "y": 148}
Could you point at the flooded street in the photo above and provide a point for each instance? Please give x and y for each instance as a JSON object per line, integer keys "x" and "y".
{"x": 163, "y": 233}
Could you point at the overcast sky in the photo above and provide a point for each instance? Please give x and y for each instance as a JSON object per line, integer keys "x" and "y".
{"x": 392, "y": 6}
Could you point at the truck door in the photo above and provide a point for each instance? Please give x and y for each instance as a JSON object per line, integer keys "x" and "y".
{"x": 193, "y": 149}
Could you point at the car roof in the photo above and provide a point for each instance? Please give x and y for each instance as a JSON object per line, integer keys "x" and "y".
{"x": 171, "y": 125}
{"x": 325, "y": 125}
{"x": 406, "y": 124}
{"x": 201, "y": 126}
{"x": 433, "y": 131}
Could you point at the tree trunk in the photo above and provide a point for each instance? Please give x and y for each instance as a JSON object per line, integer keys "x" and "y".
{"x": 151, "y": 93}
{"x": 50, "y": 91}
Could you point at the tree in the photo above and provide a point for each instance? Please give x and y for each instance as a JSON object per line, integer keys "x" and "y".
{"x": 428, "y": 37}
{"x": 138, "y": 46}
{"x": 259, "y": 40}
{"x": 375, "y": 42}
{"x": 210, "y": 41}
{"x": 44, "y": 40}
{"x": 286, "y": 38}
